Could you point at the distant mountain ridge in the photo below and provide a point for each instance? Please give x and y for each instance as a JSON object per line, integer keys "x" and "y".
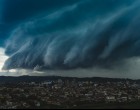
{"x": 12, "y": 79}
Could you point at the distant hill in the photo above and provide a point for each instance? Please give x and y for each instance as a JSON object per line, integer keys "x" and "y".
{"x": 10, "y": 79}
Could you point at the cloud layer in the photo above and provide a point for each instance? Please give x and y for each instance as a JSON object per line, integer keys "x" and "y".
{"x": 81, "y": 35}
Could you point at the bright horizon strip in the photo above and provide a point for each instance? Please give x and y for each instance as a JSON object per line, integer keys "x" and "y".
{"x": 3, "y": 58}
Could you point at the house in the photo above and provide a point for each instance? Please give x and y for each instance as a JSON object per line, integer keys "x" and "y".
{"x": 110, "y": 98}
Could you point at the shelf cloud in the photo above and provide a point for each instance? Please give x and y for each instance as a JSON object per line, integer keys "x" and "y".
{"x": 78, "y": 34}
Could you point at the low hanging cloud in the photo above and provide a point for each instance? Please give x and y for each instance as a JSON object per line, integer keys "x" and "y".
{"x": 80, "y": 35}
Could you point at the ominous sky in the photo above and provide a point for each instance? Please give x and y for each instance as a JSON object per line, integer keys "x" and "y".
{"x": 70, "y": 37}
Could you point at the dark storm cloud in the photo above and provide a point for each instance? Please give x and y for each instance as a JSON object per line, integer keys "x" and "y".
{"x": 18, "y": 10}
{"x": 13, "y": 12}
{"x": 83, "y": 34}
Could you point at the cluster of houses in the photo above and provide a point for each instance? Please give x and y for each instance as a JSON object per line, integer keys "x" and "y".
{"x": 66, "y": 93}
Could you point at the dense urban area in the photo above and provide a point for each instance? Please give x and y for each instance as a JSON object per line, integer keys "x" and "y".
{"x": 65, "y": 93}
